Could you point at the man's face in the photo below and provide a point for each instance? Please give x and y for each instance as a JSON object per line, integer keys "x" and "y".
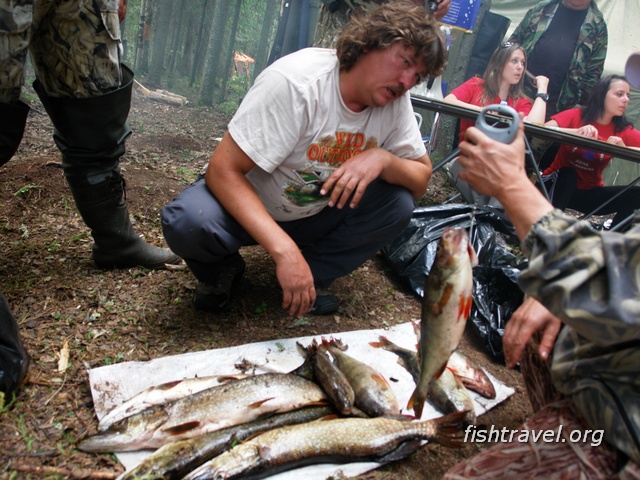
{"x": 389, "y": 73}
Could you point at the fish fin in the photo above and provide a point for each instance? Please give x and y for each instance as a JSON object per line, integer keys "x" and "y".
{"x": 259, "y": 403}
{"x": 416, "y": 403}
{"x": 380, "y": 380}
{"x": 440, "y": 372}
{"x": 182, "y": 428}
{"x": 464, "y": 306}
{"x": 169, "y": 385}
{"x": 449, "y": 428}
{"x": 473, "y": 256}
{"x": 401, "y": 451}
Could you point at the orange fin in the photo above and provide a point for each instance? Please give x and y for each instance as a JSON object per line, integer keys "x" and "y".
{"x": 259, "y": 403}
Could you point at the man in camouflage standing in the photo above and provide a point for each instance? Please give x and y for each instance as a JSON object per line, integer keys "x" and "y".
{"x": 75, "y": 52}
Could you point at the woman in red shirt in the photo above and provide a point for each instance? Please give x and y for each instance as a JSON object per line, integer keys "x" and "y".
{"x": 574, "y": 178}
{"x": 502, "y": 82}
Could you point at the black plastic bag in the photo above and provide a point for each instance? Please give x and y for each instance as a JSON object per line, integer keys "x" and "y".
{"x": 14, "y": 360}
{"x": 496, "y": 294}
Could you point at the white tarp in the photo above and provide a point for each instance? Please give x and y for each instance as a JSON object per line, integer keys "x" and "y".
{"x": 113, "y": 384}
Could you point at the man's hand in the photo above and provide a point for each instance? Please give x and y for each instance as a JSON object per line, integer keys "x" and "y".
{"x": 353, "y": 177}
{"x": 296, "y": 281}
{"x": 529, "y": 318}
{"x": 489, "y": 165}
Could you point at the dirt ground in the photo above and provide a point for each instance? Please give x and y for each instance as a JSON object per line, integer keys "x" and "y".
{"x": 59, "y": 298}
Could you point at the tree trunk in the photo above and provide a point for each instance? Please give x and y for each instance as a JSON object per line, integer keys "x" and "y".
{"x": 331, "y": 24}
{"x": 226, "y": 70}
{"x": 173, "y": 55}
{"x": 216, "y": 40}
{"x": 263, "y": 45}
{"x": 160, "y": 34}
{"x": 200, "y": 43}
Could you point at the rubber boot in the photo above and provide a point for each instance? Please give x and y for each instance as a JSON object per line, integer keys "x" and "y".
{"x": 90, "y": 133}
{"x": 117, "y": 245}
{"x": 13, "y": 118}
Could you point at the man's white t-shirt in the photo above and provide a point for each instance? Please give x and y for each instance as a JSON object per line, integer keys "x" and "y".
{"x": 296, "y": 128}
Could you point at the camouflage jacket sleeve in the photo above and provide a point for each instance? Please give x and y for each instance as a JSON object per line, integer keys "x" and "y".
{"x": 587, "y": 63}
{"x": 589, "y": 279}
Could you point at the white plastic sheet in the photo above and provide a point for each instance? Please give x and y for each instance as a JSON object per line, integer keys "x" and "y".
{"x": 113, "y": 384}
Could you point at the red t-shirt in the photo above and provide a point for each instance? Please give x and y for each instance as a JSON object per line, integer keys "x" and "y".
{"x": 588, "y": 164}
{"x": 471, "y": 92}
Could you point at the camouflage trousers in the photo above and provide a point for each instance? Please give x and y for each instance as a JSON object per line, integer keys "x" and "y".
{"x": 74, "y": 46}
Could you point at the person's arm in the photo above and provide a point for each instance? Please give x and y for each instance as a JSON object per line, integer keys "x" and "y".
{"x": 453, "y": 100}
{"x": 538, "y": 111}
{"x": 442, "y": 10}
{"x": 226, "y": 178}
{"x": 584, "y": 131}
{"x": 568, "y": 260}
{"x": 595, "y": 55}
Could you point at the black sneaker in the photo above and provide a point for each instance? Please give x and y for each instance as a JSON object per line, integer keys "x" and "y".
{"x": 326, "y": 303}
{"x": 215, "y": 296}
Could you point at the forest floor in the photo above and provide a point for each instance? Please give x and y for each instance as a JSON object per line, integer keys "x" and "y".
{"x": 60, "y": 298}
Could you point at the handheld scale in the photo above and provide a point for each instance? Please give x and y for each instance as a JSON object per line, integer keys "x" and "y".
{"x": 503, "y": 129}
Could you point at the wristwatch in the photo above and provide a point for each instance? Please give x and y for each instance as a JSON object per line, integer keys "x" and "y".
{"x": 543, "y": 96}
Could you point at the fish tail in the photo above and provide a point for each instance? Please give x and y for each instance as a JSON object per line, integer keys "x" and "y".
{"x": 449, "y": 429}
{"x": 416, "y": 402}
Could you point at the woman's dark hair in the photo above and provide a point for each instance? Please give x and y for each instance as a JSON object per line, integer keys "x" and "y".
{"x": 594, "y": 108}
{"x": 397, "y": 21}
{"x": 493, "y": 74}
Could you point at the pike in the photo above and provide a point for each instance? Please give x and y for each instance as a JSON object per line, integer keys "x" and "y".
{"x": 163, "y": 393}
{"x": 373, "y": 394}
{"x": 176, "y": 459}
{"x": 445, "y": 309}
{"x": 237, "y": 402}
{"x": 339, "y": 440}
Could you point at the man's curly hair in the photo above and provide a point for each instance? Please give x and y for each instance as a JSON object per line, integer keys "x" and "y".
{"x": 397, "y": 21}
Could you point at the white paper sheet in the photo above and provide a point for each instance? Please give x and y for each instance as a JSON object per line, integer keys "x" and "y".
{"x": 113, "y": 384}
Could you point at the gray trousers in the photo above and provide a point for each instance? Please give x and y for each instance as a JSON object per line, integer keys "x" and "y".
{"x": 334, "y": 241}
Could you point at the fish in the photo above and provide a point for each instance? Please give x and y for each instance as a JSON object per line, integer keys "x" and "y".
{"x": 163, "y": 393}
{"x": 406, "y": 357}
{"x": 237, "y": 402}
{"x": 448, "y": 394}
{"x": 176, "y": 459}
{"x": 373, "y": 394}
{"x": 471, "y": 374}
{"x": 381, "y": 439}
{"x": 445, "y": 309}
{"x": 332, "y": 380}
